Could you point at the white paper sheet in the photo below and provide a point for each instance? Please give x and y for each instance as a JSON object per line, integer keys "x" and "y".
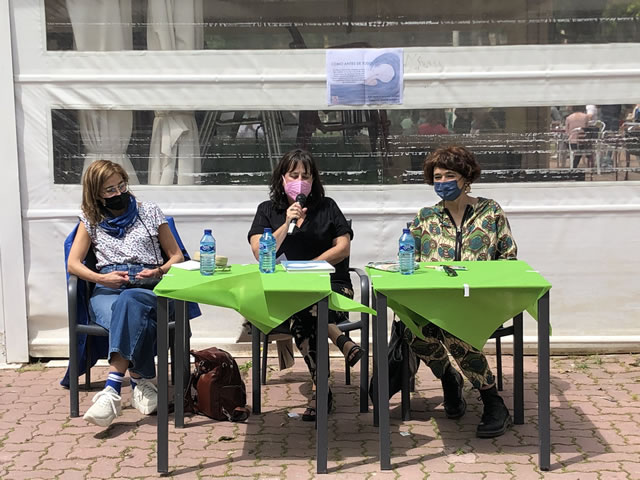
{"x": 188, "y": 265}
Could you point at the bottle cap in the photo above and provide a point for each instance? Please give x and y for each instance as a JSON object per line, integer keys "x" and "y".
{"x": 207, "y": 231}
{"x": 406, "y": 230}
{"x": 267, "y": 230}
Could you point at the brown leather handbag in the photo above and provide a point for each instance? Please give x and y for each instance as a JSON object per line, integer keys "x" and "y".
{"x": 216, "y": 388}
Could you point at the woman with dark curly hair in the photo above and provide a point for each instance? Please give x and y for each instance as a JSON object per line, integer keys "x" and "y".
{"x": 461, "y": 227}
{"x": 321, "y": 232}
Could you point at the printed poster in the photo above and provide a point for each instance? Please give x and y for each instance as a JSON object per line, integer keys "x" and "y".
{"x": 368, "y": 76}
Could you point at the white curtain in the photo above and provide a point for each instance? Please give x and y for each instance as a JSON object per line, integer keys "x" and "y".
{"x": 104, "y": 25}
{"x": 174, "y": 25}
{"x": 106, "y": 134}
{"x": 174, "y": 140}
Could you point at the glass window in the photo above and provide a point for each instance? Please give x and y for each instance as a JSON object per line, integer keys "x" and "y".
{"x": 265, "y": 24}
{"x": 518, "y": 144}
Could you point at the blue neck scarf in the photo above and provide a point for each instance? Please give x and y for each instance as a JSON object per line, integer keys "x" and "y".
{"x": 116, "y": 226}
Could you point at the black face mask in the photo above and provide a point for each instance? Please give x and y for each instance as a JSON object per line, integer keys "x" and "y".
{"x": 117, "y": 202}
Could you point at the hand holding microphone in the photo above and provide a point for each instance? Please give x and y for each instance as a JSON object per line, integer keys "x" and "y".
{"x": 301, "y": 199}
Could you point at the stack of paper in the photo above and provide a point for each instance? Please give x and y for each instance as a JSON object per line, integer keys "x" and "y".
{"x": 308, "y": 266}
{"x": 188, "y": 265}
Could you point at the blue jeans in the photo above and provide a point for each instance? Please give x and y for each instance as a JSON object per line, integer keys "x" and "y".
{"x": 129, "y": 315}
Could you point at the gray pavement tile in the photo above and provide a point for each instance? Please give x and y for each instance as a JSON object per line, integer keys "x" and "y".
{"x": 595, "y": 431}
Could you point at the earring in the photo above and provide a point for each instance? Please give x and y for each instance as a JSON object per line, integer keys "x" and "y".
{"x": 467, "y": 187}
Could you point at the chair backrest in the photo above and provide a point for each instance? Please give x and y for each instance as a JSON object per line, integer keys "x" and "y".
{"x": 584, "y": 138}
{"x": 592, "y": 131}
{"x": 631, "y": 129}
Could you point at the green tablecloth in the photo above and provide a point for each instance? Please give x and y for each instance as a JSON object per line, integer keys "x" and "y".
{"x": 265, "y": 300}
{"x": 497, "y": 291}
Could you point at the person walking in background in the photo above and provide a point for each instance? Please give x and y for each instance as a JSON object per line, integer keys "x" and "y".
{"x": 611, "y": 116}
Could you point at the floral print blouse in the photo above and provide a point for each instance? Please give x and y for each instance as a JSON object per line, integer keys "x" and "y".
{"x": 484, "y": 234}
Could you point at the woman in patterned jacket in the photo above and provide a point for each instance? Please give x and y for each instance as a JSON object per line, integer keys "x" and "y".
{"x": 126, "y": 236}
{"x": 461, "y": 227}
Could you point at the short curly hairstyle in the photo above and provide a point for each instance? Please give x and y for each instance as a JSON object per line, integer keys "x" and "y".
{"x": 456, "y": 158}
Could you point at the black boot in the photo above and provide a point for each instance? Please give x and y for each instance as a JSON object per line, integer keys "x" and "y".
{"x": 495, "y": 416}
{"x": 454, "y": 403}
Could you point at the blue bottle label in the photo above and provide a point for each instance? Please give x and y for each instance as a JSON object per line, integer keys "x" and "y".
{"x": 207, "y": 249}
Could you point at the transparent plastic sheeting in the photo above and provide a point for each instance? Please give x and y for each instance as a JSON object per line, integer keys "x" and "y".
{"x": 265, "y": 24}
{"x": 578, "y": 236}
{"x": 357, "y": 147}
{"x": 577, "y": 233}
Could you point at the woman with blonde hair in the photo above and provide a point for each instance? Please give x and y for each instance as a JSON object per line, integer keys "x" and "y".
{"x": 128, "y": 238}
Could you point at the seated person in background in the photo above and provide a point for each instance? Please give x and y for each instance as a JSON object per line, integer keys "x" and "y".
{"x": 436, "y": 229}
{"x": 483, "y": 121}
{"x": 126, "y": 237}
{"x": 462, "y": 123}
{"x": 321, "y": 233}
{"x": 409, "y": 124}
{"x": 434, "y": 123}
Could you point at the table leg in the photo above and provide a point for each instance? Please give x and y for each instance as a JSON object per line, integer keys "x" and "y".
{"x": 544, "y": 415}
{"x": 518, "y": 371}
{"x": 406, "y": 388}
{"x": 383, "y": 382}
{"x": 163, "y": 384}
{"x": 322, "y": 386}
{"x": 178, "y": 367}
{"x": 364, "y": 365}
{"x": 374, "y": 374}
{"x": 255, "y": 368}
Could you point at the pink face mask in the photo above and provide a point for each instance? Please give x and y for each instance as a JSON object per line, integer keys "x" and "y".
{"x": 296, "y": 187}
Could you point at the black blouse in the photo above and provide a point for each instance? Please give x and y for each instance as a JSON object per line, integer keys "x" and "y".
{"x": 324, "y": 222}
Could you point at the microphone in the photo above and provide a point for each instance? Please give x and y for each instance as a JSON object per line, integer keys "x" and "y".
{"x": 301, "y": 199}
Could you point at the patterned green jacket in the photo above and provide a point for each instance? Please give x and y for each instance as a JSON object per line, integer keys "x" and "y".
{"x": 484, "y": 234}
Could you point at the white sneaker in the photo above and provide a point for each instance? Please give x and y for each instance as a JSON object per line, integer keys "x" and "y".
{"x": 106, "y": 406}
{"x": 145, "y": 396}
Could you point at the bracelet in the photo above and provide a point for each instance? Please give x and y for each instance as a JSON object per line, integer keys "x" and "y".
{"x": 161, "y": 272}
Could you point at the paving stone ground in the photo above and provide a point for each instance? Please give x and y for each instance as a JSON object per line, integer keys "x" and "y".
{"x": 595, "y": 408}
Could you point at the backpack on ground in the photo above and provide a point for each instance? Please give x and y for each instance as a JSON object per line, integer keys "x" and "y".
{"x": 216, "y": 388}
{"x": 396, "y": 361}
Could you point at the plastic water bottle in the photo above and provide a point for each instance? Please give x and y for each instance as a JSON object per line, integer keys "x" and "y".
{"x": 406, "y": 252}
{"x": 207, "y": 253}
{"x": 267, "y": 257}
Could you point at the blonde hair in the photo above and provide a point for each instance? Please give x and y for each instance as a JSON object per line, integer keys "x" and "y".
{"x": 93, "y": 182}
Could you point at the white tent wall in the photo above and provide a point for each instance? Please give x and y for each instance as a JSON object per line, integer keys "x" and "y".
{"x": 582, "y": 236}
{"x": 13, "y": 324}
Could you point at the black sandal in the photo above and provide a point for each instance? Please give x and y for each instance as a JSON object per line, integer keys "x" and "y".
{"x": 354, "y": 354}
{"x": 309, "y": 414}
